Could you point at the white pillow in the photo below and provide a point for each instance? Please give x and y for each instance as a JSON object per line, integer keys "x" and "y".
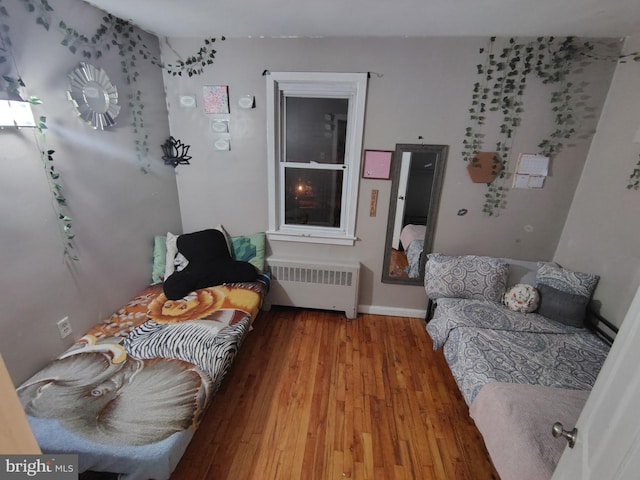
{"x": 172, "y": 251}
{"x": 522, "y": 297}
{"x": 227, "y": 238}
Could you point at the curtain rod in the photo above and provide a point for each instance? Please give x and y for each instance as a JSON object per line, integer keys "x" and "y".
{"x": 369, "y": 74}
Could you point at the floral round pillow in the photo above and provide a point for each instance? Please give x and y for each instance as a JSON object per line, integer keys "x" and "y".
{"x": 522, "y": 298}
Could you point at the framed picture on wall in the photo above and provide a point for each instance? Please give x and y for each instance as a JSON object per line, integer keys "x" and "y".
{"x": 216, "y": 98}
{"x": 377, "y": 164}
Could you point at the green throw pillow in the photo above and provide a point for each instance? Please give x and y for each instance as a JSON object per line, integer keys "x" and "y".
{"x": 159, "y": 259}
{"x": 250, "y": 248}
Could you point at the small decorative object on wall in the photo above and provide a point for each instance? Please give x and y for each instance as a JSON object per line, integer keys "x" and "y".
{"x": 187, "y": 101}
{"x": 220, "y": 125}
{"x": 246, "y": 102}
{"x": 222, "y": 144}
{"x": 175, "y": 152}
{"x": 377, "y": 164}
{"x": 373, "y": 205}
{"x": 216, "y": 98}
{"x": 93, "y": 95}
{"x": 484, "y": 167}
{"x": 531, "y": 171}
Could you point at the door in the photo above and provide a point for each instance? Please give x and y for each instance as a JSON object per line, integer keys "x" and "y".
{"x": 608, "y": 440}
{"x": 400, "y": 200}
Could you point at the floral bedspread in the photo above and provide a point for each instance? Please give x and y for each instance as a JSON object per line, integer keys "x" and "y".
{"x": 128, "y": 395}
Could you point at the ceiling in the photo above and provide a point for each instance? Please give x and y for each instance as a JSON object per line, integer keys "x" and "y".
{"x": 379, "y": 18}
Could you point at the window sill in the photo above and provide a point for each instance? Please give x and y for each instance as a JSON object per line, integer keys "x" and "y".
{"x": 310, "y": 238}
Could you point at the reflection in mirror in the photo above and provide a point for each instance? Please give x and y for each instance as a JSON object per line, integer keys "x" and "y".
{"x": 417, "y": 175}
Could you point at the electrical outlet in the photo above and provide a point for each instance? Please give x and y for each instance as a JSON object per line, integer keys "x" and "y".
{"x": 64, "y": 327}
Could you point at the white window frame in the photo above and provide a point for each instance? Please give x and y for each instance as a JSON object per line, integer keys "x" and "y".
{"x": 352, "y": 86}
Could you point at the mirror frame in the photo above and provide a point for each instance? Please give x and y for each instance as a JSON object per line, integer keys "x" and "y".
{"x": 441, "y": 152}
{"x": 87, "y": 76}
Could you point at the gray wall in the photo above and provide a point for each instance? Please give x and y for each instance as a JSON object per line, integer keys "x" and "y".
{"x": 602, "y": 232}
{"x": 418, "y": 87}
{"x": 116, "y": 208}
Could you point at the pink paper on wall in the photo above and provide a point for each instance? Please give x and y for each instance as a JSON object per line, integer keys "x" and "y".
{"x": 377, "y": 164}
{"x": 216, "y": 99}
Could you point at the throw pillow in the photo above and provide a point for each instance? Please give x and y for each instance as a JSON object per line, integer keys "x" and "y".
{"x": 561, "y": 306}
{"x": 250, "y": 248}
{"x": 209, "y": 264}
{"x": 159, "y": 259}
{"x": 204, "y": 245}
{"x": 522, "y": 297}
{"x": 578, "y": 283}
{"x": 469, "y": 276}
{"x": 210, "y": 273}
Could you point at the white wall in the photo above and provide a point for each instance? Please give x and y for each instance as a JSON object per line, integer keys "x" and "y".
{"x": 419, "y": 87}
{"x": 116, "y": 209}
{"x": 602, "y": 232}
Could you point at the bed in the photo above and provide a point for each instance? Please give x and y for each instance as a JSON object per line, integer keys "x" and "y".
{"x": 485, "y": 343}
{"x": 128, "y": 396}
{"x": 522, "y": 348}
{"x": 412, "y": 240}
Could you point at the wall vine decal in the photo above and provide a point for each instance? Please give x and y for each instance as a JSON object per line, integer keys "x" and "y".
{"x": 13, "y": 86}
{"x": 504, "y": 74}
{"x": 634, "y": 177}
{"x": 121, "y": 36}
{"x": 112, "y": 33}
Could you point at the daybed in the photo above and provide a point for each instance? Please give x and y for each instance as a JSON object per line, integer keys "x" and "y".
{"x": 510, "y": 331}
{"x": 128, "y": 396}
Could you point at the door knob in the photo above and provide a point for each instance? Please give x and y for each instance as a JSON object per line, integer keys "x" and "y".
{"x": 559, "y": 431}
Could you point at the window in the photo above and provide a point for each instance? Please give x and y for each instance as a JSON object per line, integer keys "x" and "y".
{"x": 314, "y": 135}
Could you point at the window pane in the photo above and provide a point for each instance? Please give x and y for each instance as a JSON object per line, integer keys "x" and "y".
{"x": 313, "y": 197}
{"x": 315, "y": 129}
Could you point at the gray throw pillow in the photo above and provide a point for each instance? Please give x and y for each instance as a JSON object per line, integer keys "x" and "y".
{"x": 563, "y": 307}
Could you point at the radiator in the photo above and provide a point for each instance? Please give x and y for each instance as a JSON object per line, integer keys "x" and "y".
{"x": 314, "y": 284}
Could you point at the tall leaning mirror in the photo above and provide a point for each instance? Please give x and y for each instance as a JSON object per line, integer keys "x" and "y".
{"x": 417, "y": 174}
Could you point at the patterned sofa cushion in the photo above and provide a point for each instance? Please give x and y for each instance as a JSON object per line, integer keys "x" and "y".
{"x": 468, "y": 276}
{"x": 577, "y": 283}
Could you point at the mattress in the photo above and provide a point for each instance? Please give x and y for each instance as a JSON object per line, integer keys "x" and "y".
{"x": 128, "y": 396}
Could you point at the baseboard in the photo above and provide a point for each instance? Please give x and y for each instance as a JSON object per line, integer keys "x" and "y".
{"x": 377, "y": 310}
{"x": 392, "y": 311}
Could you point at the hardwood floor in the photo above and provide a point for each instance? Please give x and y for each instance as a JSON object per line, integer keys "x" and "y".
{"x": 398, "y": 264}
{"x": 313, "y": 395}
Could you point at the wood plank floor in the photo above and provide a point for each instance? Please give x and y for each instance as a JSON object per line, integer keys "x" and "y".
{"x": 313, "y": 395}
